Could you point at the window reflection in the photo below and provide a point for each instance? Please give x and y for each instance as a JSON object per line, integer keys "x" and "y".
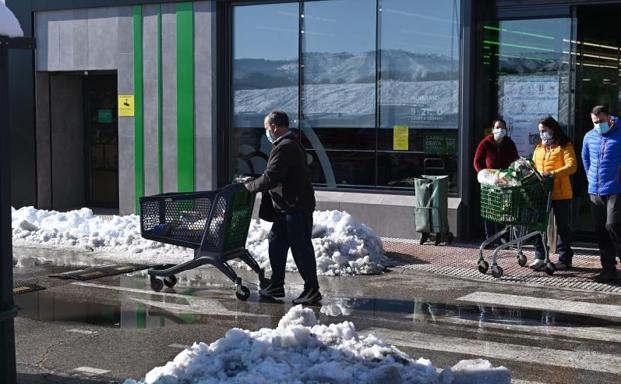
{"x": 346, "y": 67}
{"x": 529, "y": 66}
{"x": 339, "y": 64}
{"x": 419, "y": 91}
{"x": 265, "y": 77}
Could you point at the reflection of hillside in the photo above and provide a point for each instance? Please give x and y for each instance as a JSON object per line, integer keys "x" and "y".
{"x": 403, "y": 102}
{"x": 338, "y": 68}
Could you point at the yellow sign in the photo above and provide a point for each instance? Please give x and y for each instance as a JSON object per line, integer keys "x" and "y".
{"x": 400, "y": 139}
{"x": 126, "y": 105}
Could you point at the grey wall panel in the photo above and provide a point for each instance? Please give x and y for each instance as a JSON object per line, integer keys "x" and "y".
{"x": 125, "y": 31}
{"x": 204, "y": 112}
{"x": 127, "y": 185}
{"x": 43, "y": 140}
{"x": 169, "y": 97}
{"x": 150, "y": 98}
{"x": 44, "y": 35}
{"x": 102, "y": 38}
{"x": 67, "y": 125}
{"x": 78, "y": 40}
{"x": 73, "y": 24}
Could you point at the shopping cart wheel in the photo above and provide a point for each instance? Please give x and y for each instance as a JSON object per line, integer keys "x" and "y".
{"x": 170, "y": 281}
{"x": 497, "y": 271}
{"x": 424, "y": 236}
{"x": 483, "y": 266}
{"x": 156, "y": 284}
{"x": 550, "y": 269}
{"x": 521, "y": 258}
{"x": 242, "y": 292}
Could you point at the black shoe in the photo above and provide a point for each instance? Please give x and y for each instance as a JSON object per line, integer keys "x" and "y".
{"x": 272, "y": 291}
{"x": 606, "y": 277}
{"x": 308, "y": 296}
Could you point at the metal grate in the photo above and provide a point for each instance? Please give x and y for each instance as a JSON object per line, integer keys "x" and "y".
{"x": 537, "y": 281}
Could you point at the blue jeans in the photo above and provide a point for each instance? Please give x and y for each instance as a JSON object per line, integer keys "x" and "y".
{"x": 561, "y": 209}
{"x": 293, "y": 230}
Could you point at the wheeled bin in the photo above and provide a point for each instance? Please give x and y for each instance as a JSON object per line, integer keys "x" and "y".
{"x": 431, "y": 208}
{"x": 213, "y": 223}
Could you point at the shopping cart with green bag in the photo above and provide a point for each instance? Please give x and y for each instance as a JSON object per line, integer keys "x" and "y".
{"x": 213, "y": 223}
{"x": 523, "y": 210}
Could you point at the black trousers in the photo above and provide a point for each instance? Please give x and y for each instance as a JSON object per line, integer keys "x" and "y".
{"x": 561, "y": 209}
{"x": 606, "y": 214}
{"x": 293, "y": 230}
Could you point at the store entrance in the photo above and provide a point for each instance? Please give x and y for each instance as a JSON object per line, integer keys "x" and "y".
{"x": 101, "y": 140}
{"x": 598, "y": 75}
{"x": 557, "y": 66}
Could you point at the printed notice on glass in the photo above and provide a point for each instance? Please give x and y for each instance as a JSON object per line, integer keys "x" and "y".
{"x": 126, "y": 105}
{"x": 400, "y": 138}
{"x": 522, "y": 102}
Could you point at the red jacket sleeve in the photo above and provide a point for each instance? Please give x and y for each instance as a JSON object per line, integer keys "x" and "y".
{"x": 479, "y": 157}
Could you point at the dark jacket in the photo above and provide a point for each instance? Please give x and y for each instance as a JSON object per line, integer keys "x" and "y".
{"x": 286, "y": 178}
{"x": 494, "y": 156}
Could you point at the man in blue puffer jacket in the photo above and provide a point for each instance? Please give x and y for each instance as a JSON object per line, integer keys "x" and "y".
{"x": 601, "y": 157}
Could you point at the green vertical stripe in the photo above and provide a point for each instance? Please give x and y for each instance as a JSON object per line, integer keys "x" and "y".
{"x": 185, "y": 97}
{"x": 160, "y": 116}
{"x": 138, "y": 118}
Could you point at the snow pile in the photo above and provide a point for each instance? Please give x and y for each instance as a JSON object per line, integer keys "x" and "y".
{"x": 300, "y": 350}
{"x": 342, "y": 246}
{"x": 9, "y": 26}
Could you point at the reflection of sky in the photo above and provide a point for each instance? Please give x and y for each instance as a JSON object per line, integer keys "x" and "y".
{"x": 270, "y": 31}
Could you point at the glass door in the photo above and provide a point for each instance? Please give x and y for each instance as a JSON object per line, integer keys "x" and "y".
{"x": 528, "y": 70}
{"x": 598, "y": 70}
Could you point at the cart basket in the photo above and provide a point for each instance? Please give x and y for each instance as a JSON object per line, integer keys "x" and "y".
{"x": 526, "y": 205}
{"x": 214, "y": 221}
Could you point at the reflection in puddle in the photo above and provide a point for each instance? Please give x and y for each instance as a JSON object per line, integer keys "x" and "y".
{"x": 133, "y": 306}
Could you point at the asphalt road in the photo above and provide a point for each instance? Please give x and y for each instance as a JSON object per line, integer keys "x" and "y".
{"x": 112, "y": 328}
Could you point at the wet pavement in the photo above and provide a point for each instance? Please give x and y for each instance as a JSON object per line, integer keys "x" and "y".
{"x": 112, "y": 328}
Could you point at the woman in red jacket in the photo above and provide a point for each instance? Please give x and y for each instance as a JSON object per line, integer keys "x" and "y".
{"x": 495, "y": 151}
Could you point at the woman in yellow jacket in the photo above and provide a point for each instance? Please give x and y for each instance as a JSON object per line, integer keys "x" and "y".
{"x": 554, "y": 157}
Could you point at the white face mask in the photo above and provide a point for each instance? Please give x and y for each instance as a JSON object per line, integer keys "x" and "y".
{"x": 269, "y": 136}
{"x": 546, "y": 137}
{"x": 499, "y": 133}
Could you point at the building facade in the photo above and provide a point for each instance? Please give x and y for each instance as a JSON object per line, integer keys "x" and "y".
{"x": 125, "y": 98}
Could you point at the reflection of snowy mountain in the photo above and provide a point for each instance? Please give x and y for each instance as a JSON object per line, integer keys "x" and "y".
{"x": 337, "y": 68}
{"x": 535, "y": 62}
{"x": 353, "y": 103}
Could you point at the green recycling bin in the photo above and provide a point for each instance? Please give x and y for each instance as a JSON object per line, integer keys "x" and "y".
{"x": 431, "y": 209}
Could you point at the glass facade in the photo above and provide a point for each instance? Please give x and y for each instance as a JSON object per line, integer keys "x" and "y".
{"x": 376, "y": 82}
{"x": 529, "y": 74}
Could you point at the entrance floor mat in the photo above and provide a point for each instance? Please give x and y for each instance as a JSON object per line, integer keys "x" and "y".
{"x": 100, "y": 271}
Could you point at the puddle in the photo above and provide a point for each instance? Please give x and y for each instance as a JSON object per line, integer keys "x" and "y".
{"x": 426, "y": 312}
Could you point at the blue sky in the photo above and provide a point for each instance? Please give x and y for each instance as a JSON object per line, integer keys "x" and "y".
{"x": 270, "y": 31}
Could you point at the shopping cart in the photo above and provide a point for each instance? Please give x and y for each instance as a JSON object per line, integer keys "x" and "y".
{"x": 213, "y": 223}
{"x": 524, "y": 210}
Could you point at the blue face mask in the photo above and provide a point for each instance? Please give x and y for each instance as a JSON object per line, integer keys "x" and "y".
{"x": 602, "y": 128}
{"x": 269, "y": 136}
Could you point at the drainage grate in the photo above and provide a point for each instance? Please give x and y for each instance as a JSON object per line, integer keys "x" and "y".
{"x": 25, "y": 286}
{"x": 100, "y": 271}
{"x": 538, "y": 281}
